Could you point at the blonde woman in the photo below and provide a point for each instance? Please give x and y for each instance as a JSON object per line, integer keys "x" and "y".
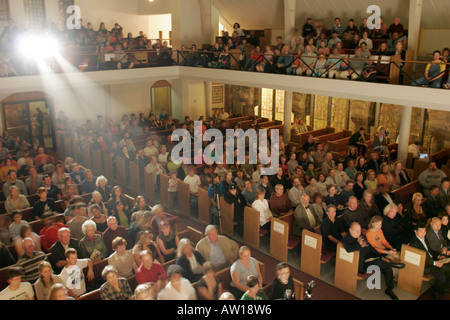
{"x": 240, "y": 270}
{"x": 46, "y": 280}
{"x": 16, "y": 201}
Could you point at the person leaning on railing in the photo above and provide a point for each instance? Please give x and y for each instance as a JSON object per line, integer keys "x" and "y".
{"x": 433, "y": 73}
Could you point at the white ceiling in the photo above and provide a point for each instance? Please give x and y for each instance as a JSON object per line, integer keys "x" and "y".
{"x": 269, "y": 14}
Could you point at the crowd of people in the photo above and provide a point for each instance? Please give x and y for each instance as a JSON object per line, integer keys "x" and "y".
{"x": 317, "y": 51}
{"x": 99, "y": 42}
{"x": 351, "y": 201}
{"x": 340, "y": 52}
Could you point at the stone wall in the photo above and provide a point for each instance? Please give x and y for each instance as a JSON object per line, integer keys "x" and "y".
{"x": 437, "y": 130}
{"x": 239, "y": 99}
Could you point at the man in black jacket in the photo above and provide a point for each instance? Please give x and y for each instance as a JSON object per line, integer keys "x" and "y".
{"x": 58, "y": 250}
{"x": 433, "y": 266}
{"x": 354, "y": 241}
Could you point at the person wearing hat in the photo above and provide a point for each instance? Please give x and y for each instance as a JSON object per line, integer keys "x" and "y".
{"x": 234, "y": 197}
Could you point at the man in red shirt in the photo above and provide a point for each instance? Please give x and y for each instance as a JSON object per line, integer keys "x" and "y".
{"x": 150, "y": 271}
{"x": 49, "y": 234}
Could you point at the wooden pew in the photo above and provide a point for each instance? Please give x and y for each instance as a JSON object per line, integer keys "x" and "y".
{"x": 227, "y": 218}
{"x": 252, "y": 228}
{"x": 311, "y": 253}
{"x": 91, "y": 296}
{"x": 121, "y": 171}
{"x": 204, "y": 207}
{"x": 334, "y": 136}
{"x": 410, "y": 279}
{"x": 97, "y": 162}
{"x": 231, "y": 121}
{"x": 149, "y": 185}
{"x": 300, "y": 139}
{"x": 405, "y": 193}
{"x": 135, "y": 180}
{"x": 86, "y": 156}
{"x": 108, "y": 164}
{"x": 446, "y": 170}
{"x": 164, "y": 186}
{"x": 184, "y": 196}
{"x": 131, "y": 202}
{"x": 282, "y": 237}
{"x": 346, "y": 270}
{"x": 269, "y": 124}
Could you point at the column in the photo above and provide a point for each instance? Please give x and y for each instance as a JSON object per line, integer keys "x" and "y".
{"x": 205, "y": 7}
{"x": 405, "y": 129}
{"x": 287, "y": 116}
{"x": 208, "y": 99}
{"x": 377, "y": 116}
{"x": 289, "y": 18}
{"x": 415, "y": 16}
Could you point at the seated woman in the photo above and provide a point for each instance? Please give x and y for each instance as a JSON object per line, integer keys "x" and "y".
{"x": 209, "y": 287}
{"x": 146, "y": 243}
{"x": 433, "y": 73}
{"x": 69, "y": 191}
{"x": 97, "y": 200}
{"x": 359, "y": 186}
{"x": 92, "y": 245}
{"x": 376, "y": 239}
{"x": 386, "y": 177}
{"x": 115, "y": 288}
{"x": 371, "y": 182}
{"x": 256, "y": 58}
{"x": 333, "y": 198}
{"x": 103, "y": 188}
{"x": 416, "y": 211}
{"x": 46, "y": 280}
{"x": 141, "y": 205}
{"x": 6, "y": 168}
{"x": 267, "y": 61}
{"x": 116, "y": 195}
{"x": 59, "y": 176}
{"x": 262, "y": 206}
{"x": 190, "y": 260}
{"x": 167, "y": 241}
{"x": 123, "y": 216}
{"x": 159, "y": 216}
{"x": 400, "y": 175}
{"x": 99, "y": 218}
{"x": 380, "y": 141}
{"x": 122, "y": 259}
{"x": 383, "y": 50}
{"x": 254, "y": 290}
{"x": 240, "y": 270}
{"x": 16, "y": 201}
{"x": 318, "y": 205}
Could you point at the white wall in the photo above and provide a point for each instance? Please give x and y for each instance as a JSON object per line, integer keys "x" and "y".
{"x": 159, "y": 22}
{"x": 434, "y": 39}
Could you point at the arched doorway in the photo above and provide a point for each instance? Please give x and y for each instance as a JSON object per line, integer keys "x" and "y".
{"x": 30, "y": 116}
{"x": 161, "y": 97}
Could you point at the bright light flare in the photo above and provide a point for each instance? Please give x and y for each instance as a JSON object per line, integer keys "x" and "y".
{"x": 39, "y": 47}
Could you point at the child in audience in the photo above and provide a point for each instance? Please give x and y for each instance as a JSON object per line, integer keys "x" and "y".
{"x": 173, "y": 190}
{"x": 16, "y": 225}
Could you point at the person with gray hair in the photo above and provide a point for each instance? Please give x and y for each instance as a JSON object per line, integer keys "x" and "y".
{"x": 304, "y": 217}
{"x": 92, "y": 245}
{"x": 58, "y": 250}
{"x": 115, "y": 288}
{"x": 103, "y": 188}
{"x": 393, "y": 228}
{"x": 177, "y": 288}
{"x": 30, "y": 260}
{"x": 190, "y": 260}
{"x": 354, "y": 214}
{"x": 220, "y": 250}
{"x": 280, "y": 203}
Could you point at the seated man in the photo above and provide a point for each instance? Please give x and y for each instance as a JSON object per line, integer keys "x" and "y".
{"x": 444, "y": 192}
{"x": 280, "y": 203}
{"x": 16, "y": 290}
{"x": 220, "y": 250}
{"x": 49, "y": 234}
{"x": 30, "y": 260}
{"x": 59, "y": 248}
{"x": 89, "y": 183}
{"x": 304, "y": 217}
{"x": 267, "y": 186}
{"x": 433, "y": 266}
{"x": 356, "y": 67}
{"x": 347, "y": 192}
{"x": 150, "y": 271}
{"x": 296, "y": 192}
{"x": 13, "y": 181}
{"x": 432, "y": 176}
{"x": 436, "y": 242}
{"x": 53, "y": 192}
{"x": 353, "y": 214}
{"x": 355, "y": 241}
{"x": 44, "y": 204}
{"x": 72, "y": 275}
{"x": 283, "y": 285}
{"x": 77, "y": 174}
{"x": 358, "y": 140}
{"x": 114, "y": 231}
{"x": 233, "y": 197}
{"x": 193, "y": 180}
{"x": 332, "y": 229}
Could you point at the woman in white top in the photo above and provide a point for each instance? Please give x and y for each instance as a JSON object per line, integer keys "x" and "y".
{"x": 262, "y": 206}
